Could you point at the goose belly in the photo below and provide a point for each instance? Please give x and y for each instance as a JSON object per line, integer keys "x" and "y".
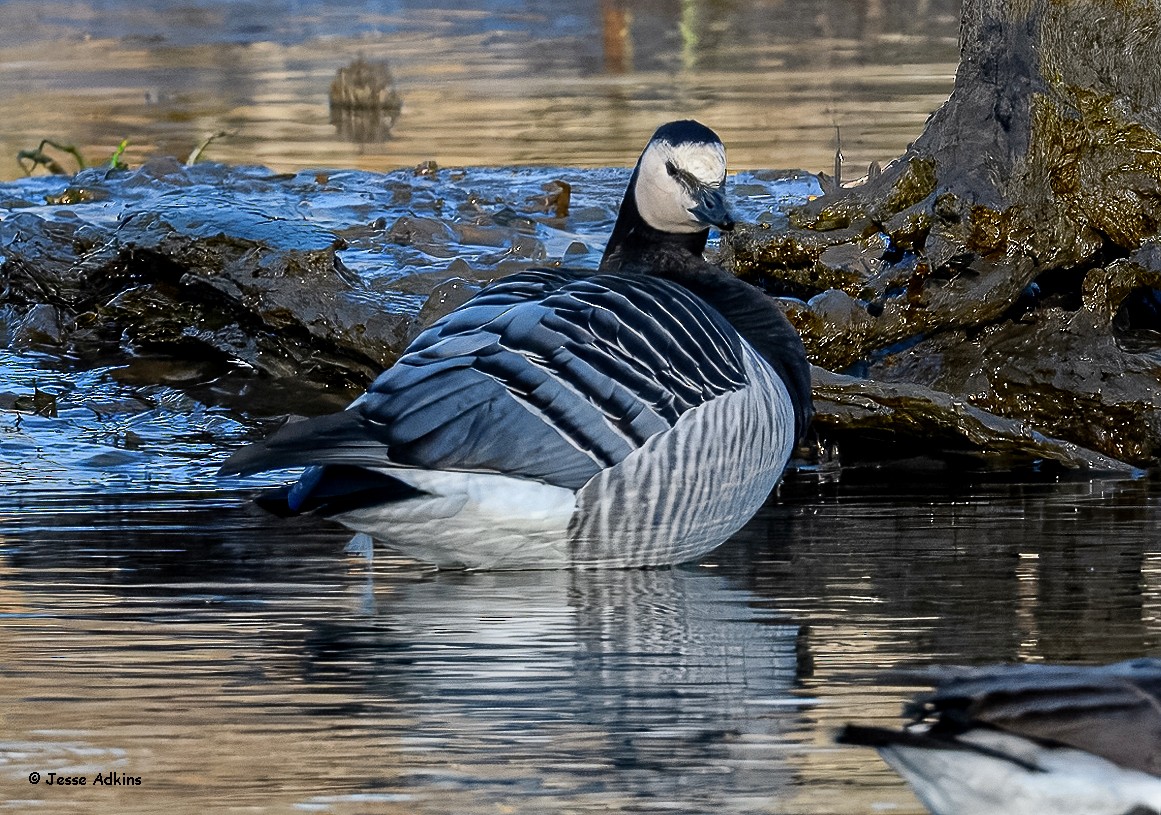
{"x": 687, "y": 490}
{"x": 473, "y": 521}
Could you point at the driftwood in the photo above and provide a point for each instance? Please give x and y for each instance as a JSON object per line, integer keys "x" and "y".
{"x": 1010, "y": 259}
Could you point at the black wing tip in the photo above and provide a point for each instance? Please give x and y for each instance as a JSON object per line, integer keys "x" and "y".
{"x": 298, "y": 442}
{"x": 335, "y": 490}
{"x": 864, "y": 736}
{"x": 253, "y": 458}
{"x": 884, "y": 738}
{"x": 237, "y": 464}
{"x": 277, "y": 502}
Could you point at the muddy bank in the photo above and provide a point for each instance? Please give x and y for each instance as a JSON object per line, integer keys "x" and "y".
{"x": 286, "y": 294}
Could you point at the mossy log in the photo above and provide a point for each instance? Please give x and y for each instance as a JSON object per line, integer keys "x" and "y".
{"x": 1010, "y": 257}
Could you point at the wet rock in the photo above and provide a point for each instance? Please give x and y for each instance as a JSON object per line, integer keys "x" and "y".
{"x": 787, "y": 260}
{"x": 878, "y": 420}
{"x": 1104, "y": 290}
{"x": 1060, "y": 371}
{"x": 556, "y": 199}
{"x": 575, "y": 250}
{"x": 521, "y": 247}
{"x": 832, "y": 323}
{"x": 1019, "y": 272}
{"x": 853, "y": 263}
{"x": 445, "y": 298}
{"x": 431, "y": 234}
{"x": 40, "y": 325}
{"x": 38, "y": 403}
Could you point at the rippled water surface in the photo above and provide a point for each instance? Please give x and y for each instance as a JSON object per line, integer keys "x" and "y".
{"x": 156, "y": 626}
{"x": 237, "y": 663}
{"x": 482, "y": 83}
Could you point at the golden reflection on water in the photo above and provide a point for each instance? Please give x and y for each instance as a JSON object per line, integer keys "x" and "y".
{"x": 238, "y": 662}
{"x": 505, "y": 83}
{"x": 230, "y": 674}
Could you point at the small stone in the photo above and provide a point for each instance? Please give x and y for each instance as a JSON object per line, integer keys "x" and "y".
{"x": 41, "y": 325}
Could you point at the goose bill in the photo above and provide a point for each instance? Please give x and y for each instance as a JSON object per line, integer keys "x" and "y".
{"x": 711, "y": 208}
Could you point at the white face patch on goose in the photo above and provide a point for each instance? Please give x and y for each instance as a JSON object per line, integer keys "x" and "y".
{"x": 667, "y": 178}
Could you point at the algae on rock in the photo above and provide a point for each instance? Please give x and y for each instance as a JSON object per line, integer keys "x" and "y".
{"x": 1005, "y": 230}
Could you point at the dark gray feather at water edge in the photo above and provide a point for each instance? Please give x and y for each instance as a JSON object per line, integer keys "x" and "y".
{"x": 549, "y": 375}
{"x": 1111, "y": 711}
{"x": 883, "y": 738}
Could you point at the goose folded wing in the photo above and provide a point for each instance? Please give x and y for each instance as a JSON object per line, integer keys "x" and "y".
{"x": 545, "y": 375}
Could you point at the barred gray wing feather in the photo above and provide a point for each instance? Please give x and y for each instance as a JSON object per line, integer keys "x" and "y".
{"x": 1113, "y": 711}
{"x": 547, "y": 375}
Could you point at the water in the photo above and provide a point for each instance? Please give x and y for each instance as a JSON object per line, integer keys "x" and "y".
{"x": 482, "y": 83}
{"x": 155, "y": 625}
{"x": 238, "y": 663}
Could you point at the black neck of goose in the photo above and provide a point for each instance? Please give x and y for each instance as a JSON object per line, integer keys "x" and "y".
{"x": 637, "y": 248}
{"x": 633, "y": 239}
{"x": 758, "y": 319}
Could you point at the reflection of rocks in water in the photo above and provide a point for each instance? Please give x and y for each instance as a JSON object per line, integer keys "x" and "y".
{"x": 1070, "y": 740}
{"x": 364, "y": 102}
{"x": 991, "y": 569}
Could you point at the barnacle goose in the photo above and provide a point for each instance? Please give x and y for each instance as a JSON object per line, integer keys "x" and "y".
{"x": 637, "y": 415}
{"x": 1032, "y": 739}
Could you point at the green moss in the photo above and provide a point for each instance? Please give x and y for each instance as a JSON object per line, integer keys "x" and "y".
{"x": 909, "y": 229}
{"x": 72, "y": 195}
{"x": 988, "y": 230}
{"x": 827, "y": 219}
{"x": 1102, "y": 169}
{"x": 848, "y": 208}
{"x": 915, "y": 184}
{"x": 1122, "y": 432}
{"x": 762, "y": 255}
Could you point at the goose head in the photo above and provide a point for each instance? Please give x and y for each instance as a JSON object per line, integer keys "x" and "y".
{"x": 680, "y": 180}
{"x": 676, "y": 193}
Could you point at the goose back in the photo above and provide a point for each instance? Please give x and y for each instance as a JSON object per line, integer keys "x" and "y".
{"x": 577, "y": 370}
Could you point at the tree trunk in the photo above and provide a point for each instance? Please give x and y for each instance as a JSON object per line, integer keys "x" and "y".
{"x": 1012, "y": 252}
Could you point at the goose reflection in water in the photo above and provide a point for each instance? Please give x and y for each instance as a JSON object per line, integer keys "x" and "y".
{"x": 637, "y": 685}
{"x": 1031, "y": 739}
